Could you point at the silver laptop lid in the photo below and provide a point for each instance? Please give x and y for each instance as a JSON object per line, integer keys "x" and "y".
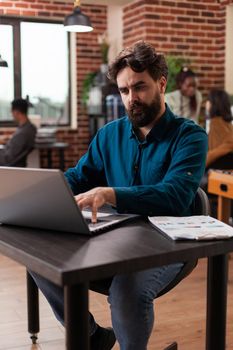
{"x": 39, "y": 198}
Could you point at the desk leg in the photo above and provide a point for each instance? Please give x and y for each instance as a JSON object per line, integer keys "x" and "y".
{"x": 61, "y": 159}
{"x": 224, "y": 209}
{"x": 216, "y": 302}
{"x": 76, "y": 317}
{"x": 33, "y": 308}
{"x": 49, "y": 159}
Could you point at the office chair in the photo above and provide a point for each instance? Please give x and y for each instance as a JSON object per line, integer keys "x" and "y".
{"x": 222, "y": 163}
{"x": 21, "y": 159}
{"x": 200, "y": 206}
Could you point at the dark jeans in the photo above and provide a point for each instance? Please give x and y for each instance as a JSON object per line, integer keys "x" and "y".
{"x": 131, "y": 299}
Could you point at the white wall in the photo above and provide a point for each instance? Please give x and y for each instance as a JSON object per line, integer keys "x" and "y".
{"x": 115, "y": 30}
{"x": 229, "y": 51}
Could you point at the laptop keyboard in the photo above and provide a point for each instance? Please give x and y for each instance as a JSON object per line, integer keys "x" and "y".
{"x": 99, "y": 221}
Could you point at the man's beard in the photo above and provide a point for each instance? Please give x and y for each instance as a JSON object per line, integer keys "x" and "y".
{"x": 142, "y": 114}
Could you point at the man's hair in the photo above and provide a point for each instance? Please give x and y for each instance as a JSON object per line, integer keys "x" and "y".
{"x": 220, "y": 105}
{"x": 20, "y": 105}
{"x": 139, "y": 57}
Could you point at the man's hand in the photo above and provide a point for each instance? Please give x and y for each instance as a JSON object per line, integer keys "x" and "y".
{"x": 95, "y": 199}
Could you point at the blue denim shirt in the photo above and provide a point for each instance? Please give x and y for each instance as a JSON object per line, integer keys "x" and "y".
{"x": 158, "y": 176}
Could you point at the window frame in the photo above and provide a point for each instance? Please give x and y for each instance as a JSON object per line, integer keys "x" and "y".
{"x": 15, "y": 23}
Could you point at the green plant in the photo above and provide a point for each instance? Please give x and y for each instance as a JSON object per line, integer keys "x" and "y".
{"x": 104, "y": 46}
{"x": 175, "y": 64}
{"x": 87, "y": 84}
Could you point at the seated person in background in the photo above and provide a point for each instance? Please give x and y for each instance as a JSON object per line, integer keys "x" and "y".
{"x": 220, "y": 137}
{"x": 22, "y": 141}
{"x": 186, "y": 100}
{"x": 149, "y": 162}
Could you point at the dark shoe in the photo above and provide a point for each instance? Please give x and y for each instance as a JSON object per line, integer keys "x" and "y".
{"x": 103, "y": 339}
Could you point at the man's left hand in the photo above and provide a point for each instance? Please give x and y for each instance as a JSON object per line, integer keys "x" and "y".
{"x": 95, "y": 199}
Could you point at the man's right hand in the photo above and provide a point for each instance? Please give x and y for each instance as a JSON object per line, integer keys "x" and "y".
{"x": 95, "y": 199}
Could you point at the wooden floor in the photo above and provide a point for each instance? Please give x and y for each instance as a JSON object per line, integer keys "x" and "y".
{"x": 180, "y": 315}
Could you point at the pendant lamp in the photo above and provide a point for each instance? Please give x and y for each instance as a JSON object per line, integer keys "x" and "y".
{"x": 3, "y": 63}
{"x": 77, "y": 21}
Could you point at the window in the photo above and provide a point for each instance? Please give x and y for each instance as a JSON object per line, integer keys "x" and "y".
{"x": 6, "y": 74}
{"x": 39, "y": 71}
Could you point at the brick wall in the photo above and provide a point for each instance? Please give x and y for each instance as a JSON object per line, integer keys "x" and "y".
{"x": 190, "y": 29}
{"x": 88, "y": 58}
{"x": 187, "y": 28}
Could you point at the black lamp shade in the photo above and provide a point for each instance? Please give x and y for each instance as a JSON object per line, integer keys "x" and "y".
{"x": 77, "y": 22}
{"x": 3, "y": 63}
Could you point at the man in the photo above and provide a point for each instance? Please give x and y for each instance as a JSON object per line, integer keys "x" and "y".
{"x": 150, "y": 163}
{"x": 22, "y": 141}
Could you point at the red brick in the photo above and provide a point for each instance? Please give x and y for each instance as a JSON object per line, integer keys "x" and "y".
{"x": 178, "y": 11}
{"x": 192, "y": 13}
{"x": 199, "y": 20}
{"x": 44, "y": 13}
{"x": 208, "y": 14}
{"x": 37, "y": 7}
{"x": 168, "y": 3}
{"x": 191, "y": 40}
{"x": 191, "y": 26}
{"x": 199, "y": 6}
{"x": 52, "y": 7}
{"x": 168, "y": 46}
{"x": 29, "y": 13}
{"x": 5, "y": 4}
{"x": 184, "y": 4}
{"x": 12, "y": 12}
{"x": 22, "y": 5}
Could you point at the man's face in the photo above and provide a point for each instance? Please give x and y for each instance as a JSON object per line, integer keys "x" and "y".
{"x": 141, "y": 96}
{"x": 15, "y": 114}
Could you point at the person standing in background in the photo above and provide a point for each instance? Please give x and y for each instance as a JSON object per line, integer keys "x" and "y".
{"x": 186, "y": 100}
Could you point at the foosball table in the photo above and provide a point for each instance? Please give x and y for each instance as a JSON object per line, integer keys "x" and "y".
{"x": 220, "y": 183}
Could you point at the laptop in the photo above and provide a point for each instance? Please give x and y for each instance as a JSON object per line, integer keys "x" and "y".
{"x": 42, "y": 198}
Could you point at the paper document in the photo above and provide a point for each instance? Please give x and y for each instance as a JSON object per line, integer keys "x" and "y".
{"x": 199, "y": 227}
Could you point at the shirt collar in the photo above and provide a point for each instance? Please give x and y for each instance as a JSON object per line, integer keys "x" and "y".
{"x": 159, "y": 130}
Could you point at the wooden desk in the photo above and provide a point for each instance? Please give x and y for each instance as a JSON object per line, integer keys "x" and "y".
{"x": 71, "y": 261}
{"x": 220, "y": 183}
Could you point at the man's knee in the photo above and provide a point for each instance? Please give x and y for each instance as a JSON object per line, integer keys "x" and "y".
{"x": 128, "y": 292}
